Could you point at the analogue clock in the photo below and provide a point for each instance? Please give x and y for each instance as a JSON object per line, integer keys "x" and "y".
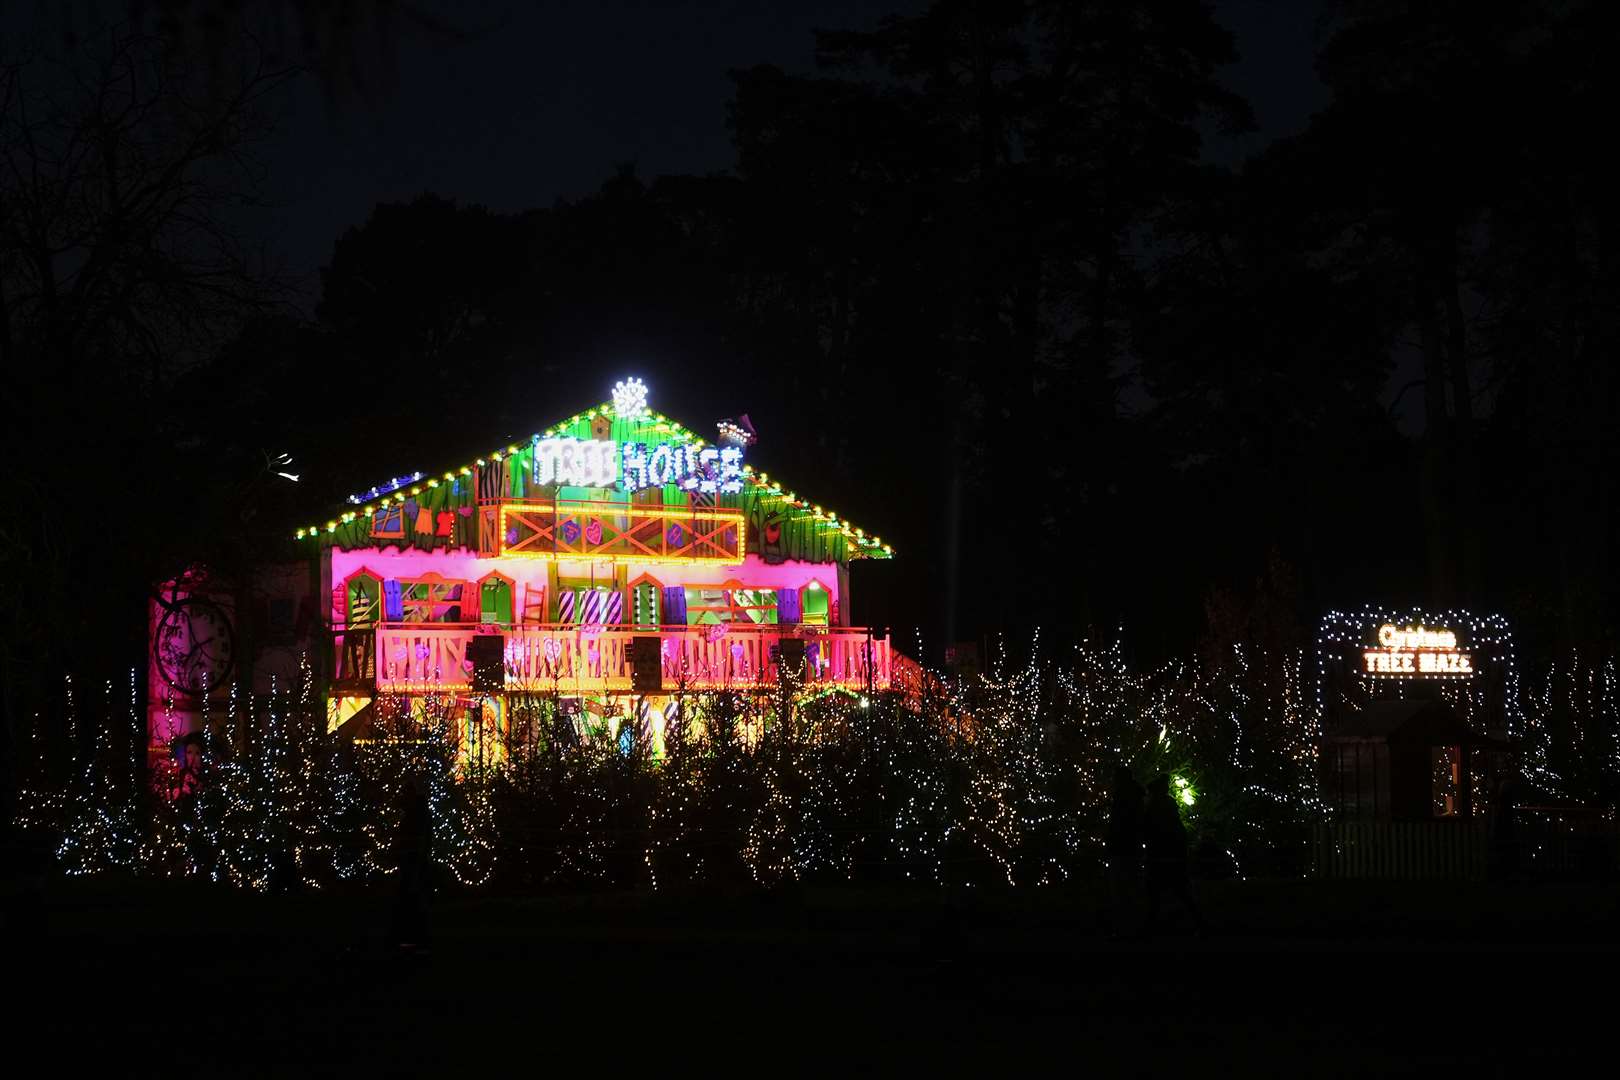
{"x": 194, "y": 646}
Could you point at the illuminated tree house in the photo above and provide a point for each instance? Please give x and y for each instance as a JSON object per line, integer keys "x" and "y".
{"x": 616, "y": 561}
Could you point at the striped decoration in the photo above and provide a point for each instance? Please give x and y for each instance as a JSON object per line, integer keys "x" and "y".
{"x": 565, "y": 605}
{"x": 600, "y": 607}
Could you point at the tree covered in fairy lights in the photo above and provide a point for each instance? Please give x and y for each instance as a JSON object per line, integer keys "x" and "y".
{"x": 997, "y": 780}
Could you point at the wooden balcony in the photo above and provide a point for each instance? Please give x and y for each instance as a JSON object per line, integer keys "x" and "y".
{"x": 641, "y": 532}
{"x": 571, "y": 659}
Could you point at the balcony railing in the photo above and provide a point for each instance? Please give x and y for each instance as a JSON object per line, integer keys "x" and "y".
{"x": 569, "y": 658}
{"x": 640, "y": 532}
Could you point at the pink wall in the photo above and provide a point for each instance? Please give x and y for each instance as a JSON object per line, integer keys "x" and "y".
{"x": 392, "y": 563}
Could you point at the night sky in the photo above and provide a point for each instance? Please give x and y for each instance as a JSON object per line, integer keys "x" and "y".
{"x": 514, "y": 107}
{"x": 540, "y": 102}
{"x": 531, "y": 104}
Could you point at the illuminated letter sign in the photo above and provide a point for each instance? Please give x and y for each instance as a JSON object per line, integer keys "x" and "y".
{"x": 713, "y": 470}
{"x": 710, "y": 471}
{"x": 1416, "y": 652}
{"x": 575, "y": 462}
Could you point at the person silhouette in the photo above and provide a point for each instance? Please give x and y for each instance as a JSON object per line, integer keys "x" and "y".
{"x": 1122, "y": 848}
{"x": 1504, "y": 829}
{"x": 1166, "y": 844}
{"x": 413, "y": 848}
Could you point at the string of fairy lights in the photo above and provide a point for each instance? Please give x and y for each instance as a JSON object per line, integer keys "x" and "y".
{"x": 995, "y": 779}
{"x": 628, "y": 403}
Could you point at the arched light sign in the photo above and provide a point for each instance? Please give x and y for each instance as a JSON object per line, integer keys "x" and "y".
{"x": 1417, "y": 652}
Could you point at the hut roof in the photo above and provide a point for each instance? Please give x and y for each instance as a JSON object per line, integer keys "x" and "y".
{"x": 1429, "y": 721}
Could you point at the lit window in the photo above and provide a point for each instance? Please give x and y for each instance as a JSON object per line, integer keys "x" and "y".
{"x": 730, "y": 605}
{"x": 431, "y": 599}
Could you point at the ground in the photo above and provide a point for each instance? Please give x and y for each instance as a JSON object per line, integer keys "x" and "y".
{"x": 1293, "y": 977}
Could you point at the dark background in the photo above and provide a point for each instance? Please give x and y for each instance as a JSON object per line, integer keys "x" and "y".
{"x": 1161, "y": 319}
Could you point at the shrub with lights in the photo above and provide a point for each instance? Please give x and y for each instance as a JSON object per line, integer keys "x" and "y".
{"x": 994, "y": 781}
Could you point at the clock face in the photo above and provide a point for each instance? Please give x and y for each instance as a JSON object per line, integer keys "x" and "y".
{"x": 194, "y": 647}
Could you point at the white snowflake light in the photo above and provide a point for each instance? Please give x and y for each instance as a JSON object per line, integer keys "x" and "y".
{"x": 630, "y": 398}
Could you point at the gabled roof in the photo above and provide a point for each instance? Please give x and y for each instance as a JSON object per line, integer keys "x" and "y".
{"x": 1424, "y": 720}
{"x": 759, "y": 484}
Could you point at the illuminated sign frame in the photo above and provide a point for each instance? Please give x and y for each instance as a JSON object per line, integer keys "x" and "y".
{"x": 566, "y": 461}
{"x": 678, "y": 533}
{"x": 1416, "y": 652}
{"x": 571, "y": 462}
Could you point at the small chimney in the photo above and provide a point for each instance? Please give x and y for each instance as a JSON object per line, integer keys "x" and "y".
{"x": 738, "y": 432}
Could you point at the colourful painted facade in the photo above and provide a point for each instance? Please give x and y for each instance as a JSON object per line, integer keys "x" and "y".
{"x": 617, "y": 560}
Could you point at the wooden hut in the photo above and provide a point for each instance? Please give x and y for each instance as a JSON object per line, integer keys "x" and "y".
{"x": 1410, "y": 760}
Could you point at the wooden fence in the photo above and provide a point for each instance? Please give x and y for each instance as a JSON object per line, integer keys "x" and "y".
{"x": 1426, "y": 849}
{"x": 1466, "y": 850}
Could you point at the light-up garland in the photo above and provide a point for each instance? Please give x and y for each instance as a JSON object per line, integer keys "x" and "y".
{"x": 734, "y": 434}
{"x": 955, "y": 788}
{"x": 861, "y": 544}
{"x": 393, "y": 484}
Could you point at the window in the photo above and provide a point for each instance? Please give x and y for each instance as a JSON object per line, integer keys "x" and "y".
{"x": 1445, "y": 764}
{"x": 813, "y": 605}
{"x": 495, "y": 600}
{"x": 730, "y": 603}
{"x": 363, "y": 597}
{"x": 432, "y": 599}
{"x": 388, "y": 521}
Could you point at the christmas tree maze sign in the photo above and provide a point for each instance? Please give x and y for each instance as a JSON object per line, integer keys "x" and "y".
{"x": 1417, "y": 652}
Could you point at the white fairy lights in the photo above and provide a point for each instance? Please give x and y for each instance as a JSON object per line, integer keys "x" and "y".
{"x": 695, "y": 466}
{"x": 630, "y": 399}
{"x": 709, "y": 470}
{"x": 1408, "y": 646}
{"x": 575, "y": 462}
{"x": 1418, "y": 652}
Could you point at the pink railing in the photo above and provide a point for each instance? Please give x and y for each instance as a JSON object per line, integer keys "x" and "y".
{"x": 416, "y": 656}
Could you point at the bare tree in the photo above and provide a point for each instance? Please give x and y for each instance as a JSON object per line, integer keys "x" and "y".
{"x": 120, "y": 178}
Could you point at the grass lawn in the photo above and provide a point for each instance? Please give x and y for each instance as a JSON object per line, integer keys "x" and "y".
{"x": 1294, "y": 977}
